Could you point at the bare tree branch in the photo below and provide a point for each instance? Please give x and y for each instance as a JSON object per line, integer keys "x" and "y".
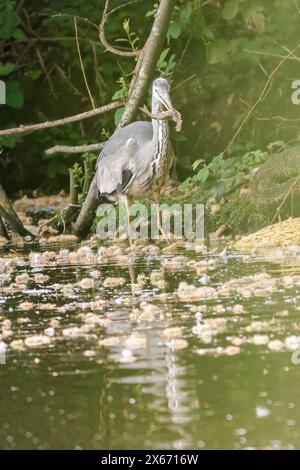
{"x": 104, "y": 41}
{"x": 61, "y": 122}
{"x": 74, "y": 148}
{"x": 146, "y": 66}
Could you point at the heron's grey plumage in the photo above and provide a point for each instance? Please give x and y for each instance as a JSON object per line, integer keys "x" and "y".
{"x": 137, "y": 159}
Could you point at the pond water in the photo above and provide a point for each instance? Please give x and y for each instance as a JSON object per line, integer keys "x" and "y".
{"x": 148, "y": 349}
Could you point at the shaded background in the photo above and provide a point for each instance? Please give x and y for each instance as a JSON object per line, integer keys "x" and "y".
{"x": 219, "y": 56}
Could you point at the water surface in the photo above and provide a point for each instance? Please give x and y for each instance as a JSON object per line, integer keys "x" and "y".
{"x": 104, "y": 352}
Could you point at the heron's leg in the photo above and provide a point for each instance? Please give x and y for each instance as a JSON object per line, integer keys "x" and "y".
{"x": 156, "y": 198}
{"x": 124, "y": 199}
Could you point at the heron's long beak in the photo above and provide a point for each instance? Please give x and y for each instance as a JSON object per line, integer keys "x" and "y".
{"x": 165, "y": 99}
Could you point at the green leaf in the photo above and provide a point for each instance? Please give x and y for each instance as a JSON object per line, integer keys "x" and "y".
{"x": 118, "y": 115}
{"x": 174, "y": 30}
{"x": 231, "y": 9}
{"x": 14, "y": 95}
{"x": 203, "y": 175}
{"x": 6, "y": 69}
{"x": 34, "y": 74}
{"x": 197, "y": 163}
{"x": 119, "y": 94}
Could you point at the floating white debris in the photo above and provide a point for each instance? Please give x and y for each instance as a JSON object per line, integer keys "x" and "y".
{"x": 41, "y": 278}
{"x": 89, "y": 353}
{"x": 276, "y": 345}
{"x": 114, "y": 281}
{"x": 156, "y": 277}
{"x": 126, "y": 356}
{"x": 109, "y": 341}
{"x": 26, "y": 306}
{"x": 136, "y": 341}
{"x": 262, "y": 412}
{"x": 72, "y": 332}
{"x": 22, "y": 278}
{"x": 87, "y": 283}
{"x": 49, "y": 331}
{"x": 231, "y": 350}
{"x": 190, "y": 292}
{"x": 36, "y": 341}
{"x": 95, "y": 274}
{"x": 172, "y": 332}
{"x": 238, "y": 309}
{"x": 259, "y": 340}
{"x": 288, "y": 282}
{"x": 292, "y": 342}
{"x": 149, "y": 311}
{"x": 237, "y": 341}
{"x": 176, "y": 344}
{"x": 17, "y": 344}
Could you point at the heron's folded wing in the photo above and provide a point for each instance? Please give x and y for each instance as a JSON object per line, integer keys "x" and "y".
{"x": 115, "y": 170}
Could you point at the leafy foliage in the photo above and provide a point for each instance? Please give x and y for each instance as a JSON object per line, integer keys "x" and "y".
{"x": 223, "y": 174}
{"x": 218, "y": 56}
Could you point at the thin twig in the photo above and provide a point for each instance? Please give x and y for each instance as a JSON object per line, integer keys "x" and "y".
{"x": 119, "y": 7}
{"x": 53, "y": 39}
{"x": 67, "y": 80}
{"x": 260, "y": 98}
{"x": 285, "y": 198}
{"x": 105, "y": 43}
{"x": 85, "y": 20}
{"x": 81, "y": 64}
{"x": 297, "y": 6}
{"x": 61, "y": 122}
{"x": 47, "y": 74}
{"x": 185, "y": 81}
{"x": 267, "y": 54}
{"x": 278, "y": 118}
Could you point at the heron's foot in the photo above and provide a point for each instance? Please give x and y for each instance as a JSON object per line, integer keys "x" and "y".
{"x": 165, "y": 236}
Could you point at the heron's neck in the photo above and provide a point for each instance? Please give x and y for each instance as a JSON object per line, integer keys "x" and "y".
{"x": 160, "y": 127}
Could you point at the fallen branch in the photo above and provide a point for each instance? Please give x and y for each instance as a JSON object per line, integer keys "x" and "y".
{"x": 74, "y": 148}
{"x": 62, "y": 122}
{"x": 165, "y": 115}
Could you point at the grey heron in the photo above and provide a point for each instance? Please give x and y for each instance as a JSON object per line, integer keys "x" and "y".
{"x": 137, "y": 159}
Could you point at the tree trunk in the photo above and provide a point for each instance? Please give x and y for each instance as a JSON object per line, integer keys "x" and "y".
{"x": 87, "y": 213}
{"x": 3, "y": 231}
{"x": 146, "y": 64}
{"x": 8, "y": 213}
{"x": 142, "y": 76}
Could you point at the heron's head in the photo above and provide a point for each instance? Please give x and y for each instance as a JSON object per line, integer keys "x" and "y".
{"x": 161, "y": 94}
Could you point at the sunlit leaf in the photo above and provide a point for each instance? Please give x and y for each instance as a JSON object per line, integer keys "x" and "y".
{"x": 6, "y": 69}
{"x": 231, "y": 9}
{"x": 118, "y": 115}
